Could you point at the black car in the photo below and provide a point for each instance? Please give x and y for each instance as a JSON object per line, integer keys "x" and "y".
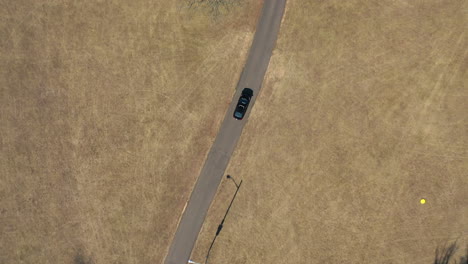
{"x": 243, "y": 103}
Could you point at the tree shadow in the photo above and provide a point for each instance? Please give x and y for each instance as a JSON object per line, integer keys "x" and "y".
{"x": 80, "y": 258}
{"x": 464, "y": 258}
{"x": 215, "y": 8}
{"x": 445, "y": 254}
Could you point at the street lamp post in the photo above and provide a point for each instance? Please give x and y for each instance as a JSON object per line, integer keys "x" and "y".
{"x": 230, "y": 177}
{"x": 220, "y": 227}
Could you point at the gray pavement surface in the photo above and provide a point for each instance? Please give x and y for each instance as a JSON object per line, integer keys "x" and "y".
{"x": 229, "y": 133}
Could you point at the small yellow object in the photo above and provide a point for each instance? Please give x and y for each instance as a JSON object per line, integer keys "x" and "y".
{"x": 423, "y": 201}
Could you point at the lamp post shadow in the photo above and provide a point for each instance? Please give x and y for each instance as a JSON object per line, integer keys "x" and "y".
{"x": 220, "y": 227}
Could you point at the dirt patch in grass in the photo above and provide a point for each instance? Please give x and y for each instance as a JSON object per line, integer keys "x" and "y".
{"x": 107, "y": 112}
{"x": 362, "y": 114}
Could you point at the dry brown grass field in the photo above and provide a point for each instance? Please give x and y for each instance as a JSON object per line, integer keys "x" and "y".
{"x": 362, "y": 113}
{"x": 107, "y": 111}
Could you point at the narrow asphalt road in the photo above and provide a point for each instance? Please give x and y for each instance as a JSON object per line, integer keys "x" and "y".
{"x": 228, "y": 135}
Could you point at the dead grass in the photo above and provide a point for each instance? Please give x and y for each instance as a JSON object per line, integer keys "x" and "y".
{"x": 362, "y": 114}
{"x": 107, "y": 112}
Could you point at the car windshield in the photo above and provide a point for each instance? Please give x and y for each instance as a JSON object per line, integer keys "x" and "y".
{"x": 244, "y": 100}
